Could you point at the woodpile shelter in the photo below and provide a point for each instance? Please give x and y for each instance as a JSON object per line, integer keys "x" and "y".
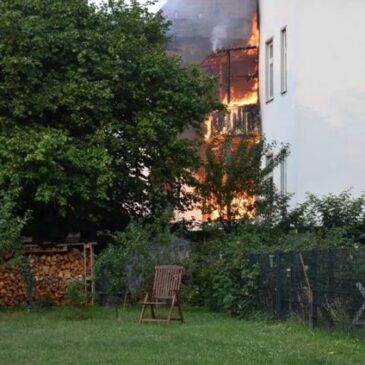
{"x": 53, "y": 268}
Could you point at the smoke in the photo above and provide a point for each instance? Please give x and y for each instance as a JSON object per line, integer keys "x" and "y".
{"x": 219, "y": 35}
{"x": 202, "y": 26}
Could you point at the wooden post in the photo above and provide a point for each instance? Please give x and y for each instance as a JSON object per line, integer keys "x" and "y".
{"x": 85, "y": 272}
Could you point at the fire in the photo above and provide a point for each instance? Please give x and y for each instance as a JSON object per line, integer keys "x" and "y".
{"x": 254, "y": 39}
{"x": 240, "y": 95}
{"x": 241, "y": 207}
{"x": 208, "y": 128}
{"x": 236, "y": 70}
{"x": 251, "y": 97}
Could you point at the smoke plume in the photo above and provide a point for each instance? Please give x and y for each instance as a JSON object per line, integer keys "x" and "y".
{"x": 219, "y": 35}
{"x": 202, "y": 26}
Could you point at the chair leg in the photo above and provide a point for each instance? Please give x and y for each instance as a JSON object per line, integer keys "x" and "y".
{"x": 153, "y": 315}
{"x": 171, "y": 309}
{"x": 143, "y": 308}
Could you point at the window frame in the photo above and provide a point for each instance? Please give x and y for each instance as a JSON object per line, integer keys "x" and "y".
{"x": 284, "y": 60}
{"x": 269, "y": 70}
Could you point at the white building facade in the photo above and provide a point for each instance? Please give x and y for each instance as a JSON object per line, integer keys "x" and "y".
{"x": 312, "y": 92}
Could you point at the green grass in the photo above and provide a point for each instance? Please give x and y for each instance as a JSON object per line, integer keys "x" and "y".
{"x": 51, "y": 337}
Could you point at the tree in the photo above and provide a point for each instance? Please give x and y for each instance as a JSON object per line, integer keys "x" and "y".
{"x": 91, "y": 113}
{"x": 236, "y": 186}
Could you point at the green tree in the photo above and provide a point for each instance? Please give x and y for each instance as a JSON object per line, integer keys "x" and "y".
{"x": 234, "y": 173}
{"x": 91, "y": 113}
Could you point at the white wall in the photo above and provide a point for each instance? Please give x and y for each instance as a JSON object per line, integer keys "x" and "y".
{"x": 322, "y": 115}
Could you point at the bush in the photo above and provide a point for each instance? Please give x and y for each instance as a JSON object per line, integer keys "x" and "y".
{"x": 341, "y": 214}
{"x": 78, "y": 299}
{"x": 11, "y": 247}
{"x": 221, "y": 275}
{"x": 127, "y": 264}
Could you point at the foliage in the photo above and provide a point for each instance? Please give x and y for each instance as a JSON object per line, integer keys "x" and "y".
{"x": 221, "y": 275}
{"x": 76, "y": 294}
{"x": 11, "y": 245}
{"x": 78, "y": 299}
{"x": 235, "y": 183}
{"x": 340, "y": 214}
{"x": 127, "y": 264}
{"x": 91, "y": 113}
{"x": 11, "y": 248}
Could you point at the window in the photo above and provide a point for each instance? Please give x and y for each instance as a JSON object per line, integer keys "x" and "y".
{"x": 283, "y": 176}
{"x": 284, "y": 65}
{"x": 269, "y": 70}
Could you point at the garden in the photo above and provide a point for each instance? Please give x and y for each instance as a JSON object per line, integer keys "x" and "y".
{"x": 93, "y": 168}
{"x": 206, "y": 338}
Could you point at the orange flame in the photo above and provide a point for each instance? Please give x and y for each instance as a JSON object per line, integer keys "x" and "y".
{"x": 254, "y": 39}
{"x": 242, "y": 204}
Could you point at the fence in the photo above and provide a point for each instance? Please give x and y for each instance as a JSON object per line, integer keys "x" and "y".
{"x": 325, "y": 287}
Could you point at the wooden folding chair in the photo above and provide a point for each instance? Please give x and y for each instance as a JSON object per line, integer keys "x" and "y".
{"x": 166, "y": 292}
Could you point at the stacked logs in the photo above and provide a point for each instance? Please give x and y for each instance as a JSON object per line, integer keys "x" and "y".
{"x": 52, "y": 271}
{"x": 12, "y": 288}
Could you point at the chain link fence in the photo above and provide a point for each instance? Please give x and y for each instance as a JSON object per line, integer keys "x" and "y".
{"x": 323, "y": 286}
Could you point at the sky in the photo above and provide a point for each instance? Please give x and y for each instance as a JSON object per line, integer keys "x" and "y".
{"x": 155, "y": 7}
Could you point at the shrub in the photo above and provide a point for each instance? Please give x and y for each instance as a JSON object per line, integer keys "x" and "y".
{"x": 127, "y": 264}
{"x": 78, "y": 299}
{"x": 11, "y": 247}
{"x": 341, "y": 214}
{"x": 221, "y": 275}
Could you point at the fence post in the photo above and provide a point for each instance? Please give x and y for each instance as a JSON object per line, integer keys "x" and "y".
{"x": 331, "y": 281}
{"x": 278, "y": 285}
{"x": 314, "y": 309}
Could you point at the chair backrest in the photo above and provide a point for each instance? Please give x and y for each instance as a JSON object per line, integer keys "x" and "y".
{"x": 167, "y": 281}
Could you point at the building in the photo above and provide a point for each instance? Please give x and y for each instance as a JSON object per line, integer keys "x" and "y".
{"x": 308, "y": 87}
{"x": 312, "y": 92}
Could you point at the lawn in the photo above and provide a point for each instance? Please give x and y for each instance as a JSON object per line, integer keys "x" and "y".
{"x": 51, "y": 337}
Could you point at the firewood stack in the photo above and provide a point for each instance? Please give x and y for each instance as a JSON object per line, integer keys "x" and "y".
{"x": 12, "y": 288}
{"x": 53, "y": 269}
